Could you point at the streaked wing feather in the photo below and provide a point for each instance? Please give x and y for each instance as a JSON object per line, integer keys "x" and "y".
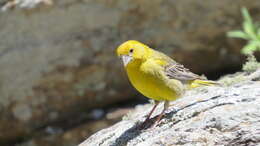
{"x": 175, "y": 70}
{"x": 178, "y": 71}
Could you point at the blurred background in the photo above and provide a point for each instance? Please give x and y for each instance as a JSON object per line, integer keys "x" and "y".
{"x": 60, "y": 79}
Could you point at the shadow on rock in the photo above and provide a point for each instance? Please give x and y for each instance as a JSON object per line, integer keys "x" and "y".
{"x": 137, "y": 129}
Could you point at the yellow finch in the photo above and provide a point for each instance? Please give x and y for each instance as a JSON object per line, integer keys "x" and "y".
{"x": 156, "y": 75}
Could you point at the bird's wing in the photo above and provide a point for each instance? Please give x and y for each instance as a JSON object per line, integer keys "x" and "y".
{"x": 178, "y": 71}
{"x": 174, "y": 70}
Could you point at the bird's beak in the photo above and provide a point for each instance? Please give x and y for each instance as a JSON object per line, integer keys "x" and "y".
{"x": 126, "y": 59}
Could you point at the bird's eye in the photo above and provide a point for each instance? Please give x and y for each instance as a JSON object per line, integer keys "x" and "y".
{"x": 131, "y": 50}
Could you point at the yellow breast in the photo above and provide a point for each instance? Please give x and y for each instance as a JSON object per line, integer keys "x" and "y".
{"x": 149, "y": 85}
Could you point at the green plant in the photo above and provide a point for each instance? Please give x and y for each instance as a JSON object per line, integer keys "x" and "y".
{"x": 251, "y": 65}
{"x": 250, "y": 32}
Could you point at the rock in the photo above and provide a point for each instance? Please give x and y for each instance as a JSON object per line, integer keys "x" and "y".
{"x": 57, "y": 58}
{"x": 205, "y": 116}
{"x": 24, "y": 4}
{"x": 52, "y": 135}
{"x": 69, "y": 137}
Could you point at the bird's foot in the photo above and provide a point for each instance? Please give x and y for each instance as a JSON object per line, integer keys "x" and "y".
{"x": 157, "y": 121}
{"x": 146, "y": 124}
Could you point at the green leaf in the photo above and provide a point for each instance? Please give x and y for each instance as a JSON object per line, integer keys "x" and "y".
{"x": 246, "y": 15}
{"x": 258, "y": 33}
{"x": 238, "y": 34}
{"x": 248, "y": 24}
{"x": 256, "y": 42}
{"x": 250, "y": 30}
{"x": 249, "y": 48}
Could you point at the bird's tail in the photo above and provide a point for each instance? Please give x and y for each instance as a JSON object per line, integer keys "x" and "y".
{"x": 198, "y": 83}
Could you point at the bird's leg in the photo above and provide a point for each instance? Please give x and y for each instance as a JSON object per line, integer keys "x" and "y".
{"x": 166, "y": 105}
{"x": 174, "y": 109}
{"x": 149, "y": 115}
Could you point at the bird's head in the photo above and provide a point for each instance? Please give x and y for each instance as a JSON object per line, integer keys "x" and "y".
{"x": 132, "y": 50}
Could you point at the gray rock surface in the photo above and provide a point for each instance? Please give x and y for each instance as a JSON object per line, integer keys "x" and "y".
{"x": 205, "y": 116}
